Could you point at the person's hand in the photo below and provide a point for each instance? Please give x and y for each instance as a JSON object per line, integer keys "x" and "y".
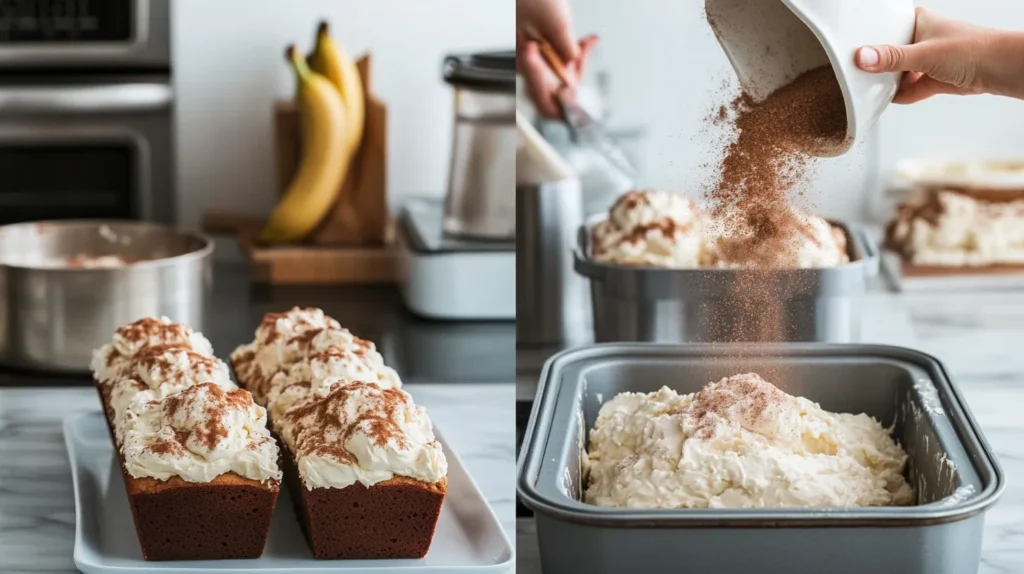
{"x": 950, "y": 57}
{"x": 548, "y": 21}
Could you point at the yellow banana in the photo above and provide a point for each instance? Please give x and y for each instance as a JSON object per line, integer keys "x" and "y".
{"x": 331, "y": 60}
{"x": 326, "y": 155}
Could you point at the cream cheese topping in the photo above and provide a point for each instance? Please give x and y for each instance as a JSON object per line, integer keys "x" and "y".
{"x": 361, "y": 432}
{"x": 160, "y": 371}
{"x": 953, "y": 229}
{"x": 111, "y": 359}
{"x": 739, "y": 443}
{"x": 281, "y": 339}
{"x": 334, "y": 357}
{"x": 198, "y": 434}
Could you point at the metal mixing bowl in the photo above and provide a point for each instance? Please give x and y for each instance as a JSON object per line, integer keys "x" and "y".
{"x": 52, "y": 316}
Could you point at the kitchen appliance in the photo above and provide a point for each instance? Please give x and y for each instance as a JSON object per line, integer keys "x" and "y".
{"x": 86, "y": 111}
{"x": 447, "y": 277}
{"x": 695, "y": 305}
{"x": 549, "y": 207}
{"x": 769, "y": 44}
{"x": 53, "y": 316}
{"x": 479, "y": 203}
{"x": 952, "y": 468}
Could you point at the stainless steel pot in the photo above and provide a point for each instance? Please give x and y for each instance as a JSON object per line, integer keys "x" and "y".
{"x": 697, "y": 306}
{"x": 53, "y": 316}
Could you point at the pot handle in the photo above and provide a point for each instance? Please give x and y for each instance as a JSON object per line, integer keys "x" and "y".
{"x": 871, "y": 253}
{"x": 585, "y": 267}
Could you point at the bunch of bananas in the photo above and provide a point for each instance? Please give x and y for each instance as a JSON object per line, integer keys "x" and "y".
{"x": 332, "y": 111}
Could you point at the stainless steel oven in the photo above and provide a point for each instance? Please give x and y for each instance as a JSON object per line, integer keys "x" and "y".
{"x": 116, "y": 34}
{"x": 97, "y": 149}
{"x": 86, "y": 109}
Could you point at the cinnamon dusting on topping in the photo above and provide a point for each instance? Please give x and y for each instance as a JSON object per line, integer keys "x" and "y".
{"x": 155, "y": 357}
{"x": 327, "y": 417}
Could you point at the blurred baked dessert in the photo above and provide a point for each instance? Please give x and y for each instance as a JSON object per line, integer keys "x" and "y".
{"x": 366, "y": 474}
{"x": 739, "y": 443}
{"x": 198, "y": 461}
{"x": 661, "y": 229}
{"x": 955, "y": 228}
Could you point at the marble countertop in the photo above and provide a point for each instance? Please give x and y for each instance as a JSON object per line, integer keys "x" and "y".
{"x": 979, "y": 337}
{"x": 37, "y": 511}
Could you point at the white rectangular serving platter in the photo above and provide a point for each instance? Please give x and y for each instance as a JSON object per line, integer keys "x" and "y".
{"x": 892, "y": 264}
{"x": 469, "y": 539}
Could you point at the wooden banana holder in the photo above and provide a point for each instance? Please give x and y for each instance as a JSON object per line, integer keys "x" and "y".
{"x": 355, "y": 242}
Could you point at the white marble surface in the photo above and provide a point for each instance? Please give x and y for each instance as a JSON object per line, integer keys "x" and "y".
{"x": 979, "y": 336}
{"x": 37, "y": 513}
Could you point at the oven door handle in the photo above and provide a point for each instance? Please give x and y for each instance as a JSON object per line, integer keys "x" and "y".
{"x": 119, "y": 98}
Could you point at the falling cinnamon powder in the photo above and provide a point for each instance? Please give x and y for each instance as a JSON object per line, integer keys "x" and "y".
{"x": 761, "y": 174}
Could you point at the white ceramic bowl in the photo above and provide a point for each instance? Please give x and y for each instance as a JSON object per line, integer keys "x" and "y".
{"x": 770, "y": 43}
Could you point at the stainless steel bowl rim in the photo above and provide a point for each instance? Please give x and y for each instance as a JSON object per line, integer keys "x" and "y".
{"x": 204, "y": 251}
{"x": 538, "y": 429}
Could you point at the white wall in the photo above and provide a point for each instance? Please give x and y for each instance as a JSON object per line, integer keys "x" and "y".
{"x": 667, "y": 70}
{"x": 229, "y": 67}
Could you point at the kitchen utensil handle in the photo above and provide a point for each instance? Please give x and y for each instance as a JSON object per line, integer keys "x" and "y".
{"x": 135, "y": 97}
{"x": 871, "y": 252}
{"x": 555, "y": 62}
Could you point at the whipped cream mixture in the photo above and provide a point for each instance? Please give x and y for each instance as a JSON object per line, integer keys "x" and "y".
{"x": 739, "y": 443}
{"x": 954, "y": 229}
{"x": 110, "y": 360}
{"x": 652, "y": 228}
{"x": 814, "y": 244}
{"x": 661, "y": 229}
{"x": 199, "y": 434}
{"x": 361, "y": 432}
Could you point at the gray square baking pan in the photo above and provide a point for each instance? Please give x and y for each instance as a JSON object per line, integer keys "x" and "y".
{"x": 650, "y": 304}
{"x": 951, "y": 467}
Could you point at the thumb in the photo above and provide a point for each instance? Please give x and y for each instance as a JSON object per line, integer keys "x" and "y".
{"x": 913, "y": 58}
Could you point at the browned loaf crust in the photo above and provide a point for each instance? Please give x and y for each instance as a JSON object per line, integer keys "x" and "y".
{"x": 391, "y": 519}
{"x": 228, "y": 517}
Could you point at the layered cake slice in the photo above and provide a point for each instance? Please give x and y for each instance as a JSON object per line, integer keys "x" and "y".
{"x": 198, "y": 461}
{"x": 366, "y": 474}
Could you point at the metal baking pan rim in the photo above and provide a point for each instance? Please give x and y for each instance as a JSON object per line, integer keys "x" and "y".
{"x": 865, "y": 252}
{"x": 938, "y": 512}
